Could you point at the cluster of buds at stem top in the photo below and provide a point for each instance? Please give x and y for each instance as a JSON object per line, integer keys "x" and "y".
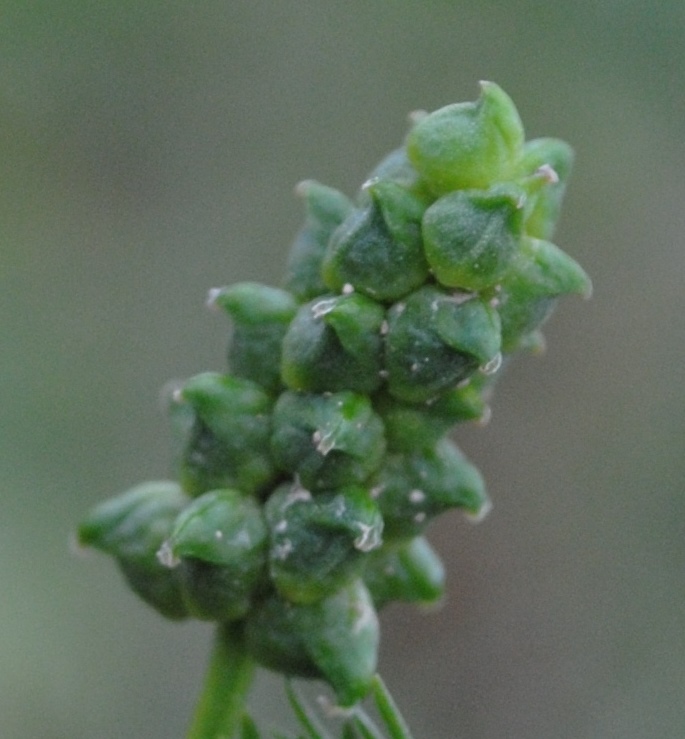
{"x": 308, "y": 473}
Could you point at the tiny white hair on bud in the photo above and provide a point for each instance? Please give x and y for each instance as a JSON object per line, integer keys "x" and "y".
{"x": 348, "y": 288}
{"x": 385, "y": 327}
{"x": 213, "y": 298}
{"x": 324, "y": 442}
{"x": 302, "y": 187}
{"x": 481, "y": 513}
{"x": 485, "y": 416}
{"x": 168, "y": 393}
{"x": 417, "y": 496}
{"x": 322, "y": 307}
{"x": 166, "y": 556}
{"x": 416, "y": 116}
{"x": 368, "y": 538}
{"x": 282, "y": 551}
{"x": 492, "y": 365}
{"x": 369, "y": 183}
{"x": 548, "y": 172}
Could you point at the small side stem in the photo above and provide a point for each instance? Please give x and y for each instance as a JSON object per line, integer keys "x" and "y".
{"x": 227, "y": 682}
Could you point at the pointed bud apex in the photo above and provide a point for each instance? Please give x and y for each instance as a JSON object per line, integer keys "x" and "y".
{"x": 468, "y": 145}
{"x": 397, "y": 168}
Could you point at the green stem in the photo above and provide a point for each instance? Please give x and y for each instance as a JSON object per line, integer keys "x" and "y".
{"x": 228, "y": 679}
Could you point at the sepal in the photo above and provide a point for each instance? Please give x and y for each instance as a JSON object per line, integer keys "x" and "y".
{"x": 541, "y": 273}
{"x": 219, "y": 544}
{"x": 472, "y": 236}
{"x": 377, "y": 250}
{"x": 411, "y": 426}
{"x": 260, "y": 315}
{"x": 468, "y": 145}
{"x": 435, "y": 340}
{"x": 229, "y": 439}
{"x": 131, "y": 527}
{"x": 410, "y": 571}
{"x": 335, "y": 639}
{"x": 328, "y": 440}
{"x": 334, "y": 343}
{"x": 325, "y": 210}
{"x": 544, "y": 204}
{"x": 318, "y": 542}
{"x": 413, "y": 488}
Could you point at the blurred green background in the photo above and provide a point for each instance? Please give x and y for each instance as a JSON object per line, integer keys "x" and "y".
{"x": 149, "y": 152}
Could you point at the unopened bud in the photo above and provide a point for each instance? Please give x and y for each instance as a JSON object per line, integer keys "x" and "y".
{"x": 468, "y": 145}
{"x": 335, "y": 344}
{"x": 378, "y": 248}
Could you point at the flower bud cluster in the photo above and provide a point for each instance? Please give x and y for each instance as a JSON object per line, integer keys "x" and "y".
{"x": 309, "y": 472}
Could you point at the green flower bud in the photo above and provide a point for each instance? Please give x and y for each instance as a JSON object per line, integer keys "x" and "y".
{"x": 229, "y": 441}
{"x": 325, "y": 209}
{"x": 274, "y": 640}
{"x": 468, "y": 145}
{"x": 377, "y": 250}
{"x": 435, "y": 340}
{"x": 131, "y": 528}
{"x": 340, "y": 634}
{"x": 552, "y": 158}
{"x": 411, "y": 489}
{"x": 410, "y": 571}
{"x": 472, "y": 236}
{"x": 411, "y": 426}
{"x": 335, "y": 639}
{"x": 327, "y": 441}
{"x": 540, "y": 274}
{"x": 219, "y": 543}
{"x": 334, "y": 343}
{"x": 261, "y": 315}
{"x": 318, "y": 542}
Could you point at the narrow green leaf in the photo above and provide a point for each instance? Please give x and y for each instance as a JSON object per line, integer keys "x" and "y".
{"x": 365, "y": 726}
{"x": 304, "y": 714}
{"x": 394, "y": 722}
{"x": 248, "y": 728}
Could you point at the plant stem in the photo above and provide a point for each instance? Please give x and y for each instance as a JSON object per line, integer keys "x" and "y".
{"x": 228, "y": 679}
